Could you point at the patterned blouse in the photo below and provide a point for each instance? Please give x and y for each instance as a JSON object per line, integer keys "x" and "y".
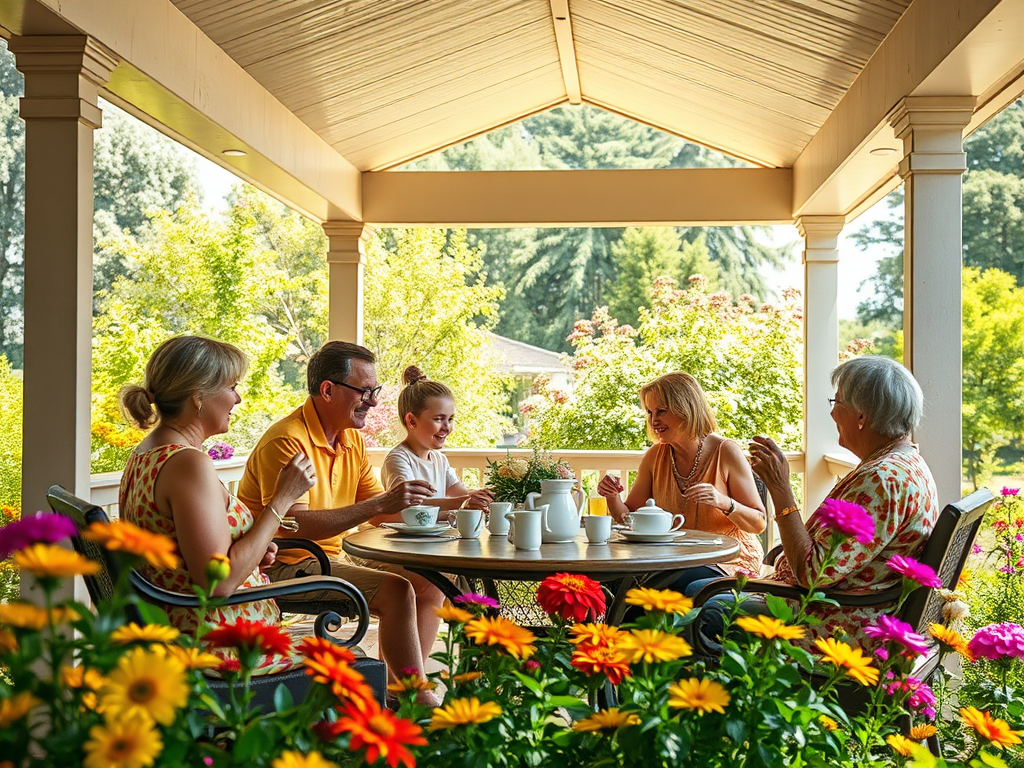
{"x": 897, "y": 489}
{"x": 138, "y": 505}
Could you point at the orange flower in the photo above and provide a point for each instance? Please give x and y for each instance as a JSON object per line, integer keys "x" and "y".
{"x": 318, "y": 647}
{"x": 51, "y": 561}
{"x": 158, "y": 550}
{"x": 453, "y": 614}
{"x": 950, "y": 640}
{"x": 572, "y": 596}
{"x": 383, "y": 734}
{"x": 607, "y": 720}
{"x": 600, "y": 635}
{"x": 666, "y": 600}
{"x": 769, "y": 628}
{"x": 995, "y": 731}
{"x": 27, "y": 616}
{"x": 516, "y": 641}
{"x": 922, "y": 732}
{"x": 901, "y": 744}
{"x": 8, "y": 642}
{"x": 344, "y": 681}
{"x": 851, "y": 660}
{"x": 651, "y": 645}
{"x": 828, "y": 723}
{"x": 193, "y": 658}
{"x": 464, "y": 712}
{"x": 597, "y": 660}
{"x": 250, "y": 635}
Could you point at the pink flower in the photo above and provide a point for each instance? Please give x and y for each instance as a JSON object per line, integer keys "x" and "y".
{"x": 909, "y": 568}
{"x": 1000, "y": 525}
{"x": 530, "y": 665}
{"x": 920, "y": 698}
{"x": 847, "y": 518}
{"x": 889, "y": 629}
{"x": 45, "y": 527}
{"x": 220, "y": 451}
{"x": 471, "y": 598}
{"x": 998, "y": 641}
{"x": 1010, "y": 491}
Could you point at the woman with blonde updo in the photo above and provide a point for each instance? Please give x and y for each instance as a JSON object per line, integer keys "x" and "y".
{"x": 169, "y": 485}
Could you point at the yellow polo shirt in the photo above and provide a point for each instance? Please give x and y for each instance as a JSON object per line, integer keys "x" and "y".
{"x": 343, "y": 473}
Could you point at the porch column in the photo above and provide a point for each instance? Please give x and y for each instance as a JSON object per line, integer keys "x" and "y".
{"x": 821, "y": 349}
{"x": 931, "y": 129}
{"x": 63, "y": 76}
{"x": 346, "y": 259}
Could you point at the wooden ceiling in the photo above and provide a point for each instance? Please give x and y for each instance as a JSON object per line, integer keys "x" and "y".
{"x": 386, "y": 81}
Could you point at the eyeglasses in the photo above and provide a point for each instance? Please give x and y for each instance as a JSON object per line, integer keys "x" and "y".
{"x": 367, "y": 393}
{"x": 833, "y": 400}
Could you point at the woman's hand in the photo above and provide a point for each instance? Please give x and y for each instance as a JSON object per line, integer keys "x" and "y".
{"x": 295, "y": 478}
{"x": 269, "y": 557}
{"x": 706, "y": 493}
{"x": 769, "y": 462}
{"x": 610, "y": 486}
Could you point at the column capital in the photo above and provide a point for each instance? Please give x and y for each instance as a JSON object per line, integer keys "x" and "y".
{"x": 821, "y": 237}
{"x": 63, "y": 76}
{"x": 931, "y": 128}
{"x": 346, "y": 241}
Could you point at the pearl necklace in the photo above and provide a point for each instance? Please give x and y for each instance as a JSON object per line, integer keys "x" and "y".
{"x": 684, "y": 482}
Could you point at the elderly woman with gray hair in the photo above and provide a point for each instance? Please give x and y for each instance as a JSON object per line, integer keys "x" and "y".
{"x": 877, "y": 405}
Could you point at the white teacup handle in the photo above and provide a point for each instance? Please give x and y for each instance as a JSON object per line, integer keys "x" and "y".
{"x": 511, "y": 528}
{"x": 677, "y": 523}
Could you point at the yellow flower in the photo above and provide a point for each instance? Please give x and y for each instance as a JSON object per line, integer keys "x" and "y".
{"x": 53, "y": 561}
{"x": 652, "y": 645}
{"x": 922, "y": 732}
{"x": 16, "y": 707}
{"x": 699, "y": 695}
{"x": 966, "y": 577}
{"x": 158, "y": 550}
{"x": 901, "y": 744}
{"x": 500, "y": 631}
{"x": 463, "y": 712}
{"x": 28, "y": 616}
{"x": 666, "y": 600}
{"x": 8, "y": 642}
{"x": 852, "y": 660}
{"x": 769, "y": 628}
{"x": 193, "y": 658}
{"x": 606, "y": 720}
{"x": 600, "y": 635}
{"x": 450, "y": 613}
{"x": 994, "y": 730}
{"x": 950, "y": 640}
{"x": 124, "y": 742}
{"x": 80, "y": 676}
{"x": 828, "y": 723}
{"x": 150, "y": 633}
{"x": 299, "y": 760}
{"x": 146, "y": 681}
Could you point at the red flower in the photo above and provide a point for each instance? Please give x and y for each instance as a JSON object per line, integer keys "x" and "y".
{"x": 229, "y": 666}
{"x": 597, "y": 660}
{"x": 345, "y": 682}
{"x": 383, "y": 734}
{"x": 250, "y": 635}
{"x": 318, "y": 648}
{"x": 573, "y": 597}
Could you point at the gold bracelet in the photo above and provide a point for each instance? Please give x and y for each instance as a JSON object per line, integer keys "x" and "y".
{"x": 787, "y": 511}
{"x": 289, "y": 524}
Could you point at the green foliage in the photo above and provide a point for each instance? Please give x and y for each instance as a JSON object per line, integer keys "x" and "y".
{"x": 427, "y": 304}
{"x": 746, "y": 359}
{"x": 513, "y": 477}
{"x": 993, "y": 367}
{"x": 12, "y": 208}
{"x": 10, "y": 436}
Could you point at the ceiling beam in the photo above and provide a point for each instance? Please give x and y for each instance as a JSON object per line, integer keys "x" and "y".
{"x": 663, "y": 197}
{"x": 562, "y": 22}
{"x": 176, "y": 79}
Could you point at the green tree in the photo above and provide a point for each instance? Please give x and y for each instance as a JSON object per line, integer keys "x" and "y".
{"x": 12, "y": 208}
{"x": 10, "y": 436}
{"x": 993, "y": 367}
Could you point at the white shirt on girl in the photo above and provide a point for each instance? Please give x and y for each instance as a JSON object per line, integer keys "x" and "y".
{"x": 402, "y": 464}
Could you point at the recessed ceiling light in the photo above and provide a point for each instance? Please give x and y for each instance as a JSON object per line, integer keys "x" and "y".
{"x": 234, "y": 152}
{"x": 884, "y": 151}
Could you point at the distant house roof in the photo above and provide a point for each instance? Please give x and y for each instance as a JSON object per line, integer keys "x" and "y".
{"x": 520, "y": 358}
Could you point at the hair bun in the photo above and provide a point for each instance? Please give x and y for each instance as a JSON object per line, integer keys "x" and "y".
{"x": 413, "y": 375}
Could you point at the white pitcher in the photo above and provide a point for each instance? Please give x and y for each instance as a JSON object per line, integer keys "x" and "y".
{"x": 561, "y": 523}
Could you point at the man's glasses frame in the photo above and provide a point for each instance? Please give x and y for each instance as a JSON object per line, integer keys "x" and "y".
{"x": 366, "y": 393}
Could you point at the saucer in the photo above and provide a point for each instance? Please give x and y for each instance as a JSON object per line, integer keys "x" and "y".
{"x": 650, "y": 538}
{"x": 418, "y": 530}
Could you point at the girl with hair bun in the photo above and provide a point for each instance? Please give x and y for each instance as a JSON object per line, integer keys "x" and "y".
{"x": 427, "y": 410}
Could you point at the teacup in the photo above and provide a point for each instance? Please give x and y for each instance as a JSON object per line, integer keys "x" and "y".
{"x": 420, "y": 516}
{"x": 652, "y": 519}
{"x": 599, "y": 528}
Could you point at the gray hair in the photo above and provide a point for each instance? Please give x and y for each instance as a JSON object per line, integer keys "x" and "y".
{"x": 882, "y": 390}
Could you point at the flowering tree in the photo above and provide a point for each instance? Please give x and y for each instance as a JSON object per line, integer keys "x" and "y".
{"x": 746, "y": 358}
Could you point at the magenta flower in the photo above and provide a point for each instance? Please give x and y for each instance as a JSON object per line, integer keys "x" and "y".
{"x": 471, "y": 598}
{"x": 889, "y": 629}
{"x": 531, "y": 666}
{"x": 1010, "y": 491}
{"x": 220, "y": 451}
{"x": 976, "y": 549}
{"x": 848, "y": 518}
{"x": 909, "y": 568}
{"x": 44, "y": 527}
{"x": 998, "y": 641}
{"x": 920, "y": 697}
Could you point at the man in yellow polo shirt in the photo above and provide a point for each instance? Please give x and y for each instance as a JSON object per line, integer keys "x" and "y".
{"x": 343, "y": 387}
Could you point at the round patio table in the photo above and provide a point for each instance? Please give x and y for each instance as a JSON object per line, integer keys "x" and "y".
{"x": 493, "y": 558}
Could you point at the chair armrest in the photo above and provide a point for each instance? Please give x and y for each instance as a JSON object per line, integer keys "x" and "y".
{"x": 309, "y": 546}
{"x": 772, "y": 555}
{"x": 780, "y": 589}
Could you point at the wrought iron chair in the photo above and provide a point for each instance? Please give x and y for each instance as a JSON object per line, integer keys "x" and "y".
{"x": 288, "y": 595}
{"x": 946, "y": 552}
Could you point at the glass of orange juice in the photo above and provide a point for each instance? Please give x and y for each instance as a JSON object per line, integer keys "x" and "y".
{"x": 597, "y": 505}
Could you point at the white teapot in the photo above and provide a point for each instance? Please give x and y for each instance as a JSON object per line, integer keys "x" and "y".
{"x": 654, "y": 519}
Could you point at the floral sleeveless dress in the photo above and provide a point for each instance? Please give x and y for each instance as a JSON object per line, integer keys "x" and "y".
{"x": 138, "y": 505}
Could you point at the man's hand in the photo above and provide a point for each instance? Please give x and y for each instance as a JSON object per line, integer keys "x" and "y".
{"x": 269, "y": 557}
{"x": 407, "y": 494}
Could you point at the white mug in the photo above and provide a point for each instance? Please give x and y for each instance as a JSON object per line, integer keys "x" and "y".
{"x": 524, "y": 529}
{"x": 599, "y": 528}
{"x": 468, "y": 521}
{"x": 497, "y": 524}
{"x": 420, "y": 516}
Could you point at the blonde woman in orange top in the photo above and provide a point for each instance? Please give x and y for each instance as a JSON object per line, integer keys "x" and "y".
{"x": 692, "y": 471}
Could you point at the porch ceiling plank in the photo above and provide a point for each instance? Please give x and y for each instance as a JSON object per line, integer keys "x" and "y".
{"x": 175, "y": 78}
{"x": 712, "y": 196}
{"x": 940, "y": 47}
{"x": 561, "y": 19}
